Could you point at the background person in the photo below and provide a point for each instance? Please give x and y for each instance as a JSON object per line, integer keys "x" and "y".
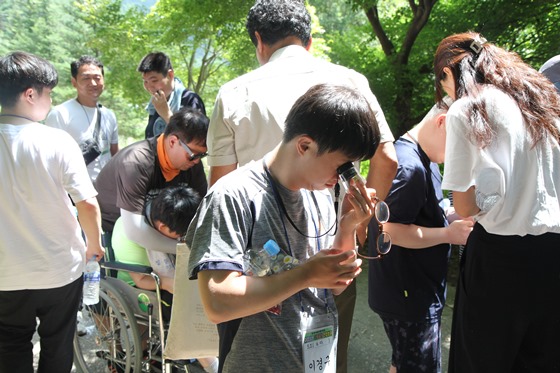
{"x": 250, "y": 111}
{"x": 168, "y": 94}
{"x": 42, "y": 252}
{"x": 551, "y": 69}
{"x": 170, "y": 212}
{"x": 407, "y": 288}
{"x": 501, "y": 162}
{"x": 283, "y": 197}
{"x": 93, "y": 126}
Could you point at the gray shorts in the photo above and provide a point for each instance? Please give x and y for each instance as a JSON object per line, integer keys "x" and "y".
{"x": 416, "y": 346}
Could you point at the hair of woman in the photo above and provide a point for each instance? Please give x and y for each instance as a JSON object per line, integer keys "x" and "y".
{"x": 476, "y": 63}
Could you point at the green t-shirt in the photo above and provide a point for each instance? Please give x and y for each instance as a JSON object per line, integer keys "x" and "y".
{"x": 127, "y": 251}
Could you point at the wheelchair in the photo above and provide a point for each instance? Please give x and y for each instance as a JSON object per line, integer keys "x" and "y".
{"x": 124, "y": 332}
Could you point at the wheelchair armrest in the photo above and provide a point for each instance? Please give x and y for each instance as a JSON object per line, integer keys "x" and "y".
{"x": 127, "y": 267}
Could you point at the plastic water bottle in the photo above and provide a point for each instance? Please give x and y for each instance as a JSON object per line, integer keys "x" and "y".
{"x": 267, "y": 260}
{"x": 92, "y": 276}
{"x": 282, "y": 262}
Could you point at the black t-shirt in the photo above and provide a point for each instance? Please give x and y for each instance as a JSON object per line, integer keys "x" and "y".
{"x": 188, "y": 99}
{"x": 410, "y": 284}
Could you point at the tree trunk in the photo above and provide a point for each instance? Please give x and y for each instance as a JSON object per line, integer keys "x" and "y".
{"x": 421, "y": 10}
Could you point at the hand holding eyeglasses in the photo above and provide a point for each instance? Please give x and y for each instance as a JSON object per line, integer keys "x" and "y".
{"x": 383, "y": 241}
{"x": 366, "y": 205}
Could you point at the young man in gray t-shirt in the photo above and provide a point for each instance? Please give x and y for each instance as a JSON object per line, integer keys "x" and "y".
{"x": 286, "y": 321}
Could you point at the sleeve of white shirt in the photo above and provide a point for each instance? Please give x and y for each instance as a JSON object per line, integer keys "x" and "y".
{"x": 137, "y": 230}
{"x": 220, "y": 138}
{"x": 76, "y": 180}
{"x": 114, "y": 128}
{"x": 460, "y": 154}
{"x": 54, "y": 119}
{"x": 363, "y": 86}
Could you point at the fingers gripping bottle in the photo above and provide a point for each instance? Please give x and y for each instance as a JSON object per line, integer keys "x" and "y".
{"x": 92, "y": 276}
{"x": 267, "y": 260}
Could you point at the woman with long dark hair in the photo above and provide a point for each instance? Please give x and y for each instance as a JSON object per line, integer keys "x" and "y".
{"x": 503, "y": 165}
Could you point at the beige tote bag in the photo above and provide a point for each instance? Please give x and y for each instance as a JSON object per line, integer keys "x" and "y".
{"x": 191, "y": 335}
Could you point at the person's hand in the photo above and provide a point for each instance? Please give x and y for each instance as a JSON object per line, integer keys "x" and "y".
{"x": 458, "y": 231}
{"x": 94, "y": 249}
{"x": 363, "y": 207}
{"x": 332, "y": 269}
{"x": 160, "y": 104}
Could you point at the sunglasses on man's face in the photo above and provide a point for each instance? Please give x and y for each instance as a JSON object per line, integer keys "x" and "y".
{"x": 193, "y": 157}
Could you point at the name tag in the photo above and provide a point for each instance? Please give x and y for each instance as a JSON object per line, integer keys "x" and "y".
{"x": 319, "y": 343}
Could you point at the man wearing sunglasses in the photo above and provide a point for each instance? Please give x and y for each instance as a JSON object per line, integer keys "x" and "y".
{"x": 170, "y": 159}
{"x": 407, "y": 285}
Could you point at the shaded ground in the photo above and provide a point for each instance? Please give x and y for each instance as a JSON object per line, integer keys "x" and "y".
{"x": 369, "y": 350}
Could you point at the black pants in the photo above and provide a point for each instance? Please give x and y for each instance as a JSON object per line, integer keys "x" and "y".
{"x": 166, "y": 302}
{"x": 507, "y": 306}
{"x": 56, "y": 309}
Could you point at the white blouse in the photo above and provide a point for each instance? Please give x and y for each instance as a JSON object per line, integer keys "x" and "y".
{"x": 517, "y": 186}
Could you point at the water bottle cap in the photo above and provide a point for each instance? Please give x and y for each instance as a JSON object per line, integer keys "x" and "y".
{"x": 271, "y": 247}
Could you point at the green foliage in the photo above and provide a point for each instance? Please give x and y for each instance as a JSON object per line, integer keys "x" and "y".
{"x": 121, "y": 41}
{"x": 58, "y": 30}
{"x": 47, "y": 28}
{"x": 206, "y": 41}
{"x": 529, "y": 27}
{"x": 209, "y": 45}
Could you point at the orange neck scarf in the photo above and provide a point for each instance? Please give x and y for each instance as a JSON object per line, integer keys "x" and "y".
{"x": 169, "y": 172}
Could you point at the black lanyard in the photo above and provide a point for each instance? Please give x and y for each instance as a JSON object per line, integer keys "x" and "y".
{"x": 284, "y": 212}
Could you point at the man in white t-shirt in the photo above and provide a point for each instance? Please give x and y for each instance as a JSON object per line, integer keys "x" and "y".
{"x": 93, "y": 126}
{"x": 42, "y": 252}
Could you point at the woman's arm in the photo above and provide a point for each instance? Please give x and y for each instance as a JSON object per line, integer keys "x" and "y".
{"x": 414, "y": 236}
{"x": 465, "y": 203}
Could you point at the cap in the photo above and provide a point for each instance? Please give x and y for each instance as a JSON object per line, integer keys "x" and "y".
{"x": 551, "y": 69}
{"x": 271, "y": 247}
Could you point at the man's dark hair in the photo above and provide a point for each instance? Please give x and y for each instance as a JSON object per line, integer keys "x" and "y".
{"x": 85, "y": 60}
{"x": 188, "y": 125}
{"x": 155, "y": 61}
{"x": 277, "y": 19}
{"x": 20, "y": 71}
{"x": 175, "y": 206}
{"x": 337, "y": 118}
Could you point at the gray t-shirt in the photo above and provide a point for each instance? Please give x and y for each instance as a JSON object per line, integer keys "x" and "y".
{"x": 243, "y": 210}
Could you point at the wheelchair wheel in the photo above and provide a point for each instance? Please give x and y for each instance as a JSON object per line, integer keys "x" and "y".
{"x": 112, "y": 341}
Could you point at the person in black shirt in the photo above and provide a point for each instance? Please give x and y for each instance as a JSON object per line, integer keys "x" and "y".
{"x": 407, "y": 287}
{"x": 167, "y": 91}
